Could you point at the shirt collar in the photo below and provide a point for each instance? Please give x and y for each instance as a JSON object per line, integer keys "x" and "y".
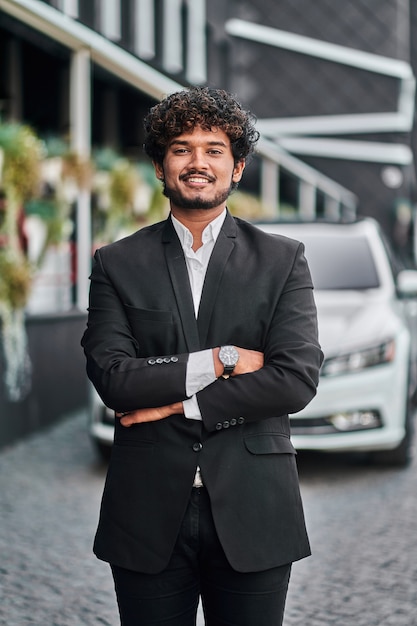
{"x": 211, "y": 231}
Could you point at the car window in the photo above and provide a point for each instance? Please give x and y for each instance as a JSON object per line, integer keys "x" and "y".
{"x": 341, "y": 262}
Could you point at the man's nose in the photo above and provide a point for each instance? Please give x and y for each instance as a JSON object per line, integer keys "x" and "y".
{"x": 198, "y": 160}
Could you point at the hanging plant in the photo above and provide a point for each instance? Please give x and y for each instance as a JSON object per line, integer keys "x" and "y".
{"x": 15, "y": 282}
{"x": 118, "y": 189}
{"x": 78, "y": 169}
{"x": 19, "y": 177}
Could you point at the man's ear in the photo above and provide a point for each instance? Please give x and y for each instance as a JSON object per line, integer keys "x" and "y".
{"x": 159, "y": 170}
{"x": 238, "y": 170}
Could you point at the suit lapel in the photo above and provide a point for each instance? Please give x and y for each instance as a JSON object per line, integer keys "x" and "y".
{"x": 181, "y": 285}
{"x": 221, "y": 252}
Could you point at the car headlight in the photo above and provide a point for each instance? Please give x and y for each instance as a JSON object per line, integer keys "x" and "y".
{"x": 359, "y": 360}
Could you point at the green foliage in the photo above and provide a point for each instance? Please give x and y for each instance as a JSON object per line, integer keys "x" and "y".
{"x": 15, "y": 280}
{"x": 22, "y": 154}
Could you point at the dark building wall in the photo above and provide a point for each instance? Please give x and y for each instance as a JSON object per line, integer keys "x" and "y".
{"x": 282, "y": 83}
{"x": 59, "y": 383}
{"x": 369, "y": 25}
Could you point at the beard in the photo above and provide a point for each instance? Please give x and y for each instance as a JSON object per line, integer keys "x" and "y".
{"x": 198, "y": 202}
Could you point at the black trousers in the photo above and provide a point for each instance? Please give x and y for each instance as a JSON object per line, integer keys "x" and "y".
{"x": 199, "y": 567}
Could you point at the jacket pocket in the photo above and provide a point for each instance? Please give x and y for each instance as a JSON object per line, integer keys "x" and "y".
{"x": 155, "y": 331}
{"x": 149, "y": 315}
{"x": 269, "y": 443}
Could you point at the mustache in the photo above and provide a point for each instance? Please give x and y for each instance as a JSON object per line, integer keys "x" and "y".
{"x": 210, "y": 178}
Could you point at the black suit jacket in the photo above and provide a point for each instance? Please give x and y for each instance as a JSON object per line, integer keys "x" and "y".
{"x": 141, "y": 328}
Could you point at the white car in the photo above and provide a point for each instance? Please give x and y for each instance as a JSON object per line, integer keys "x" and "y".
{"x": 365, "y": 312}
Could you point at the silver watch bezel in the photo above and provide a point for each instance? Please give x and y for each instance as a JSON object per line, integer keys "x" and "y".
{"x": 228, "y": 356}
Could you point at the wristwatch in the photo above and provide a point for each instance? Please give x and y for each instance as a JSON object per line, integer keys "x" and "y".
{"x": 229, "y": 356}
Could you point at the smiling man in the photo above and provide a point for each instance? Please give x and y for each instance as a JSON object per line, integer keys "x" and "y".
{"x": 202, "y": 336}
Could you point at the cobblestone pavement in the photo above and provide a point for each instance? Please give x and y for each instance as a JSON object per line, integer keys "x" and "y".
{"x": 362, "y": 524}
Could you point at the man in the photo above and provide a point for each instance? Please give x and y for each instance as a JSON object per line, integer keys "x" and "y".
{"x": 202, "y": 336}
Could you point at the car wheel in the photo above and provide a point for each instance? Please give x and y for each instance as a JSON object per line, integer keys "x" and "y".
{"x": 401, "y": 455}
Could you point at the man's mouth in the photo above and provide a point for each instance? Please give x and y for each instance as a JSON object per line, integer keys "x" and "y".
{"x": 196, "y": 179}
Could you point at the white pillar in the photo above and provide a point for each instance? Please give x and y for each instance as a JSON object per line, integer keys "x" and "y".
{"x": 69, "y": 7}
{"x": 110, "y": 13}
{"x": 196, "y": 69}
{"x": 172, "y": 36}
{"x": 80, "y": 123}
{"x": 307, "y": 200}
{"x": 332, "y": 207}
{"x": 270, "y": 187}
{"x": 144, "y": 31}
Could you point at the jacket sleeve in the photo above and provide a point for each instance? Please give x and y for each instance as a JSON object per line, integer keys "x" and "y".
{"x": 289, "y": 378}
{"x": 123, "y": 378}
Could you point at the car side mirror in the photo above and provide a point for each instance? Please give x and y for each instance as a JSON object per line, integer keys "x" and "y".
{"x": 407, "y": 283}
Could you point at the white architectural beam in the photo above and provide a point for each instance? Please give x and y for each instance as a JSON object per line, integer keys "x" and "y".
{"x": 318, "y": 48}
{"x": 80, "y": 132}
{"x": 372, "y": 151}
{"x": 335, "y": 124}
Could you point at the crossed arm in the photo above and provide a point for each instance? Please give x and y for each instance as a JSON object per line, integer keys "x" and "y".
{"x": 249, "y": 361}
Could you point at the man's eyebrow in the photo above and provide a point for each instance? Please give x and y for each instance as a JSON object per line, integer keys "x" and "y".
{"x": 184, "y": 142}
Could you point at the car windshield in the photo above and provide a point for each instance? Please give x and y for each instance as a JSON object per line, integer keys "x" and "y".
{"x": 341, "y": 262}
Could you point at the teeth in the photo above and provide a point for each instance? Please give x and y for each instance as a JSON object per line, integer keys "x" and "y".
{"x": 197, "y": 180}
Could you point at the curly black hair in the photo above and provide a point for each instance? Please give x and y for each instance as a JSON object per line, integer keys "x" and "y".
{"x": 199, "y": 106}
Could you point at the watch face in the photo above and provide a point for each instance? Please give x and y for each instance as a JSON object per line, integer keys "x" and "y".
{"x": 228, "y": 355}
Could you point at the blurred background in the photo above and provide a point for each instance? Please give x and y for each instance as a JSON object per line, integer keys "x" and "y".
{"x": 333, "y": 87}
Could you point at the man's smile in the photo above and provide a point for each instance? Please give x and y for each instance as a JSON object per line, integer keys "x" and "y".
{"x": 197, "y": 179}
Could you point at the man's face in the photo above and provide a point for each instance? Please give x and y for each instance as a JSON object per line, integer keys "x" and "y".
{"x": 198, "y": 169}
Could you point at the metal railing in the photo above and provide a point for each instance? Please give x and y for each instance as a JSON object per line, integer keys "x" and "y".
{"x": 339, "y": 202}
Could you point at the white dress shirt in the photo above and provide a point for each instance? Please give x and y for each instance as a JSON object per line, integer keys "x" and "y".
{"x": 200, "y": 366}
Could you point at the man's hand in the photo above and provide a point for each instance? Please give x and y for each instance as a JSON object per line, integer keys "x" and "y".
{"x": 150, "y": 415}
{"x": 249, "y": 361}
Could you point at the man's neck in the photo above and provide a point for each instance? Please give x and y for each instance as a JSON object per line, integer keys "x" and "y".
{"x": 196, "y": 221}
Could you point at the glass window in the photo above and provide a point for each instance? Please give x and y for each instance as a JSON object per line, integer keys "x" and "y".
{"x": 341, "y": 263}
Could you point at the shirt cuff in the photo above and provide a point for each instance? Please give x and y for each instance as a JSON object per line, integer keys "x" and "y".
{"x": 200, "y": 371}
{"x": 191, "y": 409}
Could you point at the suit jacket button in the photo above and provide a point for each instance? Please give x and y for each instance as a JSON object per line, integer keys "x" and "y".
{"x": 226, "y": 424}
{"x": 197, "y": 446}
{"x": 151, "y": 361}
{"x": 159, "y": 361}
{"x": 174, "y": 359}
{"x": 219, "y": 426}
{"x": 240, "y": 420}
{"x": 167, "y": 359}
{"x": 233, "y": 421}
